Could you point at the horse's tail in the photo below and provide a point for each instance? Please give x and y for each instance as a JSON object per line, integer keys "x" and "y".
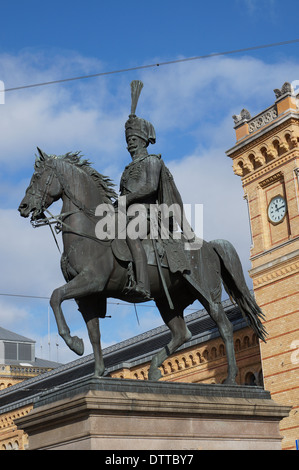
{"x": 235, "y": 285}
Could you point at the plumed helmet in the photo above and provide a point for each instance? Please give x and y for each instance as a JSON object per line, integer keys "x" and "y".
{"x": 135, "y": 125}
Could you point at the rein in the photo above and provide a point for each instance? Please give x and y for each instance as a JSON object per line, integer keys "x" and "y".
{"x": 62, "y": 224}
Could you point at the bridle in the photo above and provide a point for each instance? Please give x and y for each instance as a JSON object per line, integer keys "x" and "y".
{"x": 59, "y": 219}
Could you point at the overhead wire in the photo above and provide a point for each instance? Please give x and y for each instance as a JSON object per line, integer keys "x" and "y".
{"x": 109, "y": 302}
{"x": 157, "y": 64}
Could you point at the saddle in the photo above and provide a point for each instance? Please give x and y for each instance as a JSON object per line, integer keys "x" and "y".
{"x": 160, "y": 253}
{"x": 122, "y": 252}
{"x": 170, "y": 252}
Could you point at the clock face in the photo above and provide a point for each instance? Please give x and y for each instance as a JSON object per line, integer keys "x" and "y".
{"x": 277, "y": 209}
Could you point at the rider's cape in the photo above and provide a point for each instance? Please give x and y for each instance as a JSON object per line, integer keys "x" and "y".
{"x": 169, "y": 196}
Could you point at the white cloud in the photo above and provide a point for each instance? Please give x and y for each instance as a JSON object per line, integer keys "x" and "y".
{"x": 56, "y": 118}
{"x": 12, "y": 315}
{"x": 257, "y": 7}
{"x": 35, "y": 121}
{"x": 29, "y": 257}
{"x": 201, "y": 93}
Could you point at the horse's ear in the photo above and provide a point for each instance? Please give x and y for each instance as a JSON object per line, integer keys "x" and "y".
{"x": 42, "y": 154}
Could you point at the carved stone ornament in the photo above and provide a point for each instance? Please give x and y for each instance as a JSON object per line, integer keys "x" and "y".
{"x": 263, "y": 119}
{"x": 286, "y": 88}
{"x": 242, "y": 117}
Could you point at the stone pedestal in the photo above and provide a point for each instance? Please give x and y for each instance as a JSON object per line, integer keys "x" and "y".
{"x": 116, "y": 414}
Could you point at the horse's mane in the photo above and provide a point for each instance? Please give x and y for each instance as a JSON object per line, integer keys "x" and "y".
{"x": 104, "y": 183}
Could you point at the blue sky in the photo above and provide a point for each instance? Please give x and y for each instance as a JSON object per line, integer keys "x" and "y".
{"x": 190, "y": 104}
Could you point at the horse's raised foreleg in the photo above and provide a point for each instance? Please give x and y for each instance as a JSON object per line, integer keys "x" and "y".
{"x": 82, "y": 285}
{"x": 180, "y": 334}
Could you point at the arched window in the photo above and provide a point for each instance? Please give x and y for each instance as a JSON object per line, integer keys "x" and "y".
{"x": 250, "y": 379}
{"x": 198, "y": 357}
{"x": 275, "y": 144}
{"x": 186, "y": 362}
{"x": 213, "y": 353}
{"x": 206, "y": 355}
{"x": 192, "y": 360}
{"x": 15, "y": 445}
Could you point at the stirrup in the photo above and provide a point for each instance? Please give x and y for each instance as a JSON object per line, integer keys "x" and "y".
{"x": 138, "y": 293}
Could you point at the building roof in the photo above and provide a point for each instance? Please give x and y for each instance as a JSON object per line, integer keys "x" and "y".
{"x": 128, "y": 353}
{"x": 39, "y": 362}
{"x": 10, "y": 336}
{"x": 7, "y": 335}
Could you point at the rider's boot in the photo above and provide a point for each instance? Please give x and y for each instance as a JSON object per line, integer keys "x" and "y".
{"x": 141, "y": 291}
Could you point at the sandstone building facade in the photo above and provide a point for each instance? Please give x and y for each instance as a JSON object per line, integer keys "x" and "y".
{"x": 266, "y": 157}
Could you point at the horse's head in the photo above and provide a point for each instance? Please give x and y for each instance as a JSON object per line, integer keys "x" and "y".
{"x": 43, "y": 190}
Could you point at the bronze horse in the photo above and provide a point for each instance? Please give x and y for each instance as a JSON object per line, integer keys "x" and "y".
{"x": 93, "y": 273}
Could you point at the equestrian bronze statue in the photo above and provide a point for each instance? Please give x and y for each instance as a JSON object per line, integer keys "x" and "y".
{"x": 131, "y": 261}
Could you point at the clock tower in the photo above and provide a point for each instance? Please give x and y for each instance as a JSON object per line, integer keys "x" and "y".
{"x": 266, "y": 157}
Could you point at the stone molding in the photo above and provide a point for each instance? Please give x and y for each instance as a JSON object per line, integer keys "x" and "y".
{"x": 283, "y": 271}
{"x": 265, "y": 156}
{"x": 262, "y": 119}
{"x": 271, "y": 179}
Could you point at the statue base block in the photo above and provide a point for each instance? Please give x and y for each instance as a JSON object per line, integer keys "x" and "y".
{"x": 121, "y": 414}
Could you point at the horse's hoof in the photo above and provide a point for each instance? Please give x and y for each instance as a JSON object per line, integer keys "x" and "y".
{"x": 154, "y": 374}
{"x": 77, "y": 345}
{"x": 98, "y": 374}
